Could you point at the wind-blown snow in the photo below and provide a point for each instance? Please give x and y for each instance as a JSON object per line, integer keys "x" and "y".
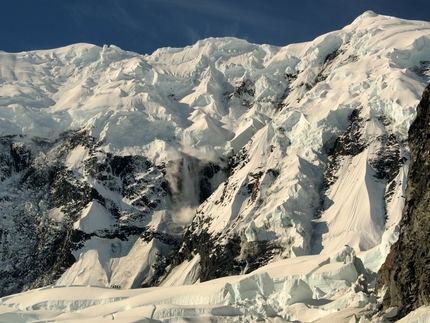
{"x": 278, "y": 110}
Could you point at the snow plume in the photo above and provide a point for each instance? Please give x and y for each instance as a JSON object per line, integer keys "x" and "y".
{"x": 183, "y": 176}
{"x": 204, "y": 153}
{"x": 193, "y": 147}
{"x": 187, "y": 178}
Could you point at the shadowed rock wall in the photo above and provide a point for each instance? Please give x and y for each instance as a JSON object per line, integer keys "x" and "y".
{"x": 407, "y": 268}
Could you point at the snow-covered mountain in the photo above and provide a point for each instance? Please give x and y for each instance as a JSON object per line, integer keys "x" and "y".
{"x": 286, "y": 166}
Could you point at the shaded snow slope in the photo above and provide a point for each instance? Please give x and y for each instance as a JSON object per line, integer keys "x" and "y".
{"x": 190, "y": 164}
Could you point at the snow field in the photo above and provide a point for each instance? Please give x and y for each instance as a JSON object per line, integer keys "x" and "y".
{"x": 263, "y": 294}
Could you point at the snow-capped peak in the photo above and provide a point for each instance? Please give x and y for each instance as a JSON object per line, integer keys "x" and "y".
{"x": 127, "y": 170}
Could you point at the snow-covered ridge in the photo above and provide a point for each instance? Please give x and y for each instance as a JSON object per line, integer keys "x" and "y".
{"x": 210, "y": 160}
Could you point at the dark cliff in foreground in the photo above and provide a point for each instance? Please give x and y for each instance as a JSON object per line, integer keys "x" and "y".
{"x": 406, "y": 271}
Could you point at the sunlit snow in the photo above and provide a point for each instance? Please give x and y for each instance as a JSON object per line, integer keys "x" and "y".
{"x": 181, "y": 101}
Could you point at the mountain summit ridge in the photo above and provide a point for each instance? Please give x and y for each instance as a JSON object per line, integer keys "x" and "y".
{"x": 120, "y": 169}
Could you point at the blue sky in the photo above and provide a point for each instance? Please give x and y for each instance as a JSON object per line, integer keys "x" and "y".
{"x": 145, "y": 25}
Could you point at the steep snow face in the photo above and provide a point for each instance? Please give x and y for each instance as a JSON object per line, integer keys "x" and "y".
{"x": 219, "y": 157}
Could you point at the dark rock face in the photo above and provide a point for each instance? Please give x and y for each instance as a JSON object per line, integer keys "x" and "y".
{"x": 407, "y": 267}
{"x": 387, "y": 161}
{"x": 40, "y": 201}
{"x": 244, "y": 93}
{"x": 349, "y": 143}
{"x": 229, "y": 253}
{"x": 234, "y": 256}
{"x": 216, "y": 260}
{"x": 34, "y": 242}
{"x": 42, "y": 197}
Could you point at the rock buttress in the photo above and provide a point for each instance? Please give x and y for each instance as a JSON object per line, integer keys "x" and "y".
{"x": 406, "y": 271}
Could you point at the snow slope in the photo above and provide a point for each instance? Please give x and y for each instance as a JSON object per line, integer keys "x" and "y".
{"x": 260, "y": 295}
{"x": 277, "y": 165}
{"x": 301, "y": 289}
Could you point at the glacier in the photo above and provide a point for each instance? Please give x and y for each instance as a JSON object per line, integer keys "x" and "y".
{"x": 248, "y": 182}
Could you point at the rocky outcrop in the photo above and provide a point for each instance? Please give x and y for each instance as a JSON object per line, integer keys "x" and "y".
{"x": 406, "y": 269}
{"x": 349, "y": 143}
